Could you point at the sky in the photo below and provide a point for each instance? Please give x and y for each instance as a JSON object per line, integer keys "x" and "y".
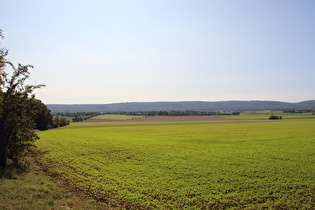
{"x": 100, "y": 52}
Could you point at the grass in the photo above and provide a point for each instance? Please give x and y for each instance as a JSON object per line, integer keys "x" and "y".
{"x": 116, "y": 117}
{"x": 67, "y": 118}
{"x": 31, "y": 188}
{"x": 266, "y": 115}
{"x": 149, "y": 123}
{"x": 248, "y": 164}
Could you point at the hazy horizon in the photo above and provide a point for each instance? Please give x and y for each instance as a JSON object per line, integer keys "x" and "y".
{"x": 176, "y": 101}
{"x": 102, "y": 52}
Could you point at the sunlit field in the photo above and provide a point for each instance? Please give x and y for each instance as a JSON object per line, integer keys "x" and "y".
{"x": 214, "y": 164}
{"x": 116, "y": 117}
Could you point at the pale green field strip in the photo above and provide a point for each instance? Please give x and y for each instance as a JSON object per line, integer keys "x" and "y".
{"x": 219, "y": 165}
{"x": 151, "y": 123}
{"x": 266, "y": 116}
{"x": 68, "y": 118}
{"x": 116, "y": 117}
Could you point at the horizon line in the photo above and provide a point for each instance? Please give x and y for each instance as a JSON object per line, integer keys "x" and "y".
{"x": 172, "y": 102}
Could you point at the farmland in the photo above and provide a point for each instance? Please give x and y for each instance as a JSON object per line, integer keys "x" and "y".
{"x": 245, "y": 162}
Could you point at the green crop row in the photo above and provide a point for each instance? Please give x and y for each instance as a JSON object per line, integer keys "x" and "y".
{"x": 248, "y": 164}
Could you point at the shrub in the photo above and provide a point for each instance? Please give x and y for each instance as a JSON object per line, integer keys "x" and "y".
{"x": 275, "y": 117}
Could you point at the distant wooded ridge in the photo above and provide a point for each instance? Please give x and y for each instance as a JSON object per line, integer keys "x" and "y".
{"x": 184, "y": 105}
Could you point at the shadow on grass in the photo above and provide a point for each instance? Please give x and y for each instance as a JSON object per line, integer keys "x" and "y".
{"x": 13, "y": 170}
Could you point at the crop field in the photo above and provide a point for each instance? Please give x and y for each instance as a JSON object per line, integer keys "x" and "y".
{"x": 116, "y": 117}
{"x": 268, "y": 114}
{"x": 212, "y": 164}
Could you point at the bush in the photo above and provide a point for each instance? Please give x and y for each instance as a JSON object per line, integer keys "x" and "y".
{"x": 16, "y": 109}
{"x": 275, "y": 117}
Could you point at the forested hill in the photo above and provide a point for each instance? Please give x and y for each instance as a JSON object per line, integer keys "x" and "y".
{"x": 185, "y": 105}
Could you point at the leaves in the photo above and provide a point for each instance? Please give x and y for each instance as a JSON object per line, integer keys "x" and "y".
{"x": 15, "y": 108}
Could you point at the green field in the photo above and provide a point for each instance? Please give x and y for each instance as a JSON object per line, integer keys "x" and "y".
{"x": 266, "y": 115}
{"x": 166, "y": 165}
{"x": 116, "y": 117}
{"x": 33, "y": 189}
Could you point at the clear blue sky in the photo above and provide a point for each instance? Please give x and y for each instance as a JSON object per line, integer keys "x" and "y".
{"x": 97, "y": 51}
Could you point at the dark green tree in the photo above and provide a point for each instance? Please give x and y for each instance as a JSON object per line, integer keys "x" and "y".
{"x": 15, "y": 107}
{"x": 41, "y": 114}
{"x": 56, "y": 122}
{"x": 63, "y": 122}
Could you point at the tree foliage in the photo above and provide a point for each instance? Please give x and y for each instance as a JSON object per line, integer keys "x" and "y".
{"x": 15, "y": 107}
{"x": 275, "y": 117}
{"x": 40, "y": 114}
{"x": 60, "y": 122}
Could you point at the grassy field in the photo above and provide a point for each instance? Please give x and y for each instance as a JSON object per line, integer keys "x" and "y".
{"x": 266, "y": 115}
{"x": 215, "y": 164}
{"x": 116, "y": 117}
{"x": 33, "y": 189}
